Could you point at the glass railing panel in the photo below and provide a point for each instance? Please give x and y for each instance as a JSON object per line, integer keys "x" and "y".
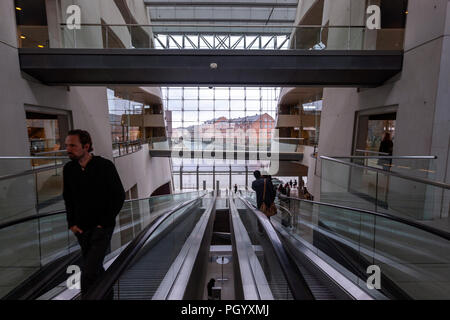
{"x": 29, "y": 186}
{"x": 53, "y": 237}
{"x": 20, "y": 254}
{"x": 413, "y": 262}
{"x": 18, "y": 198}
{"x": 338, "y": 229}
{"x": 347, "y": 186}
{"x": 49, "y": 186}
{"x": 378, "y": 190}
{"x": 419, "y": 167}
{"x": 27, "y": 246}
{"x": 214, "y": 37}
{"x": 145, "y": 274}
{"x": 306, "y": 220}
{"x": 411, "y": 199}
{"x": 137, "y": 214}
{"x": 223, "y": 144}
{"x": 363, "y": 184}
{"x": 418, "y": 262}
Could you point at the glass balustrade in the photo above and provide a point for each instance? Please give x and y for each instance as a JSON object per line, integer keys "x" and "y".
{"x": 30, "y": 186}
{"x": 152, "y": 265}
{"x": 215, "y": 37}
{"x": 420, "y": 167}
{"x": 27, "y": 246}
{"x": 349, "y": 182}
{"x": 414, "y": 263}
{"x": 282, "y": 145}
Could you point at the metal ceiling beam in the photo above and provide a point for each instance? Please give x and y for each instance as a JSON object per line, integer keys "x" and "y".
{"x": 220, "y": 4}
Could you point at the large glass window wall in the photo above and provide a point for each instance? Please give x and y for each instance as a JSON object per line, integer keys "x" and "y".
{"x": 209, "y": 113}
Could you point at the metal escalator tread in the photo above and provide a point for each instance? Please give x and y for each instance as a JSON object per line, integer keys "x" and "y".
{"x": 319, "y": 291}
{"x": 143, "y": 277}
{"x": 277, "y": 281}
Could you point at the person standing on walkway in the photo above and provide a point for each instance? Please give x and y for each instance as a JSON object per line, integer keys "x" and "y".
{"x": 235, "y": 188}
{"x": 386, "y": 146}
{"x": 288, "y": 190}
{"x": 93, "y": 196}
{"x": 267, "y": 197}
{"x": 209, "y": 287}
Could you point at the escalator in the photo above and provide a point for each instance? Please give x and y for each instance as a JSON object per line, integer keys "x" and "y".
{"x": 37, "y": 251}
{"x": 262, "y": 233}
{"x": 335, "y": 247}
{"x": 158, "y": 263}
{"x": 308, "y": 251}
{"x": 170, "y": 259}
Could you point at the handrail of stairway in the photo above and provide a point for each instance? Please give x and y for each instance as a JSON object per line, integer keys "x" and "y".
{"x": 389, "y": 173}
{"x": 297, "y": 284}
{"x": 412, "y": 223}
{"x": 102, "y": 286}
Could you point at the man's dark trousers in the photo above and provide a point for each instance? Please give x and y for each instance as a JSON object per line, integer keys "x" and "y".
{"x": 94, "y": 245}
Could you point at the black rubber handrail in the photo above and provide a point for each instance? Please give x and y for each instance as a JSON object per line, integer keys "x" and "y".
{"x": 103, "y": 285}
{"x": 297, "y": 284}
{"x": 412, "y": 223}
{"x": 44, "y": 279}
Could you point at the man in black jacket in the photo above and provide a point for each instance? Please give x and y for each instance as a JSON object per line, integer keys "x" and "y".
{"x": 93, "y": 195}
{"x": 258, "y": 186}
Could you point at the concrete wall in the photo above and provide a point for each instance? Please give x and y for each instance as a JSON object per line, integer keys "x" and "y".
{"x": 421, "y": 93}
{"x": 287, "y": 121}
{"x": 88, "y": 107}
{"x": 96, "y": 11}
{"x": 141, "y": 169}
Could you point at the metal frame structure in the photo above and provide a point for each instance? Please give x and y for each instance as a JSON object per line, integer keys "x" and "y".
{"x": 222, "y": 41}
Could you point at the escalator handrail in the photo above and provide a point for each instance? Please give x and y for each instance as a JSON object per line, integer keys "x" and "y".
{"x": 43, "y": 280}
{"x": 297, "y": 284}
{"x": 103, "y": 285}
{"x": 183, "y": 265}
{"x": 412, "y": 223}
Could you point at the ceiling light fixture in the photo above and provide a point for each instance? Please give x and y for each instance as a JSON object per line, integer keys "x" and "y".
{"x": 22, "y": 37}
{"x": 18, "y": 8}
{"x": 40, "y": 46}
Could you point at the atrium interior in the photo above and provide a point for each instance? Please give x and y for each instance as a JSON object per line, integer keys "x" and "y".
{"x": 188, "y": 98}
